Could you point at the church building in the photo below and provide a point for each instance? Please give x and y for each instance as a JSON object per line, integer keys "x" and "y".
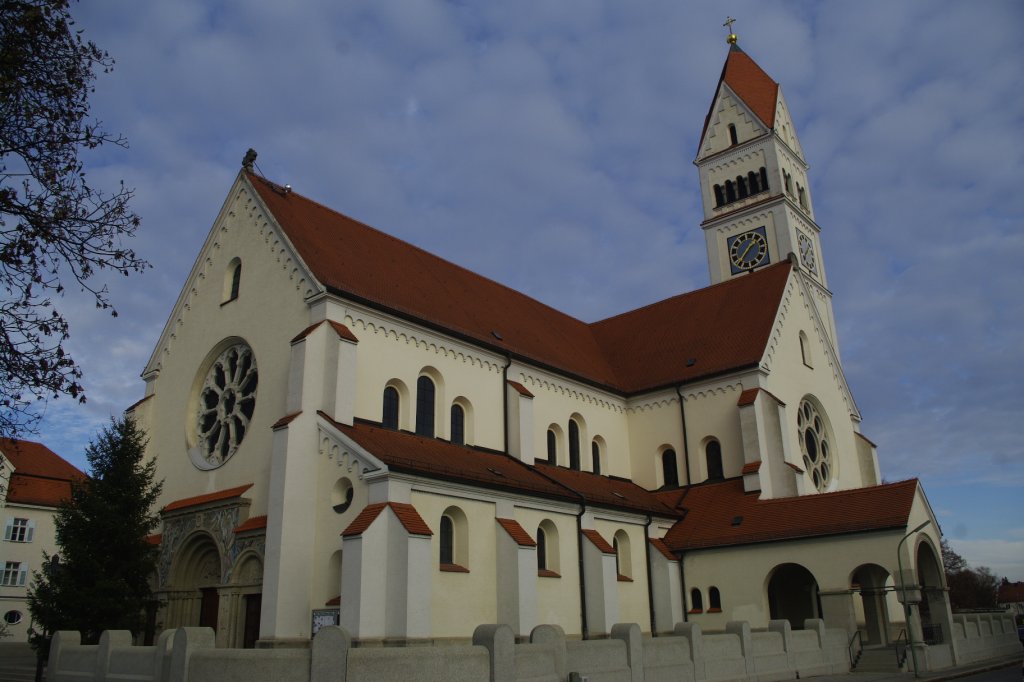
{"x": 353, "y": 430}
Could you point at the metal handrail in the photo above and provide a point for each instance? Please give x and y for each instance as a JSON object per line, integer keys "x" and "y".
{"x": 860, "y": 648}
{"x": 901, "y": 659}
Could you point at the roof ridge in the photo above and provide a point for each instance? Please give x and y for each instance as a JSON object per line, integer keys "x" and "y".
{"x": 847, "y": 491}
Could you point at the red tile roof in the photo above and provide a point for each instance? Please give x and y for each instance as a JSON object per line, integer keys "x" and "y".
{"x": 722, "y": 327}
{"x": 712, "y": 511}
{"x": 751, "y": 467}
{"x": 517, "y": 532}
{"x": 132, "y": 407}
{"x": 40, "y": 476}
{"x": 252, "y": 523}
{"x": 285, "y": 420}
{"x": 660, "y": 545}
{"x": 522, "y": 390}
{"x": 207, "y": 498}
{"x": 406, "y": 513}
{"x": 154, "y": 540}
{"x": 599, "y": 541}
{"x": 341, "y": 330}
{"x": 751, "y": 84}
{"x": 1011, "y": 593}
{"x": 606, "y": 491}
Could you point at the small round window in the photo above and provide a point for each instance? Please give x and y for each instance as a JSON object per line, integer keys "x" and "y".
{"x": 225, "y": 404}
{"x": 815, "y": 445}
{"x": 12, "y": 617}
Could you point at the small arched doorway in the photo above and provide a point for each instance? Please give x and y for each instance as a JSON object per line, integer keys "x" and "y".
{"x": 793, "y": 595}
{"x": 870, "y": 580}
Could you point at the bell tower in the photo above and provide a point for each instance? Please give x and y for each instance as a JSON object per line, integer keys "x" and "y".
{"x": 753, "y": 180}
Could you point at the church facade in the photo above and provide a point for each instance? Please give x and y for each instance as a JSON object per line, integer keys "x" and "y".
{"x": 353, "y": 430}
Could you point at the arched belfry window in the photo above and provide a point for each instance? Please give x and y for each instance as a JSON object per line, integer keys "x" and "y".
{"x": 719, "y": 196}
{"x": 733, "y": 137}
{"x": 764, "y": 179}
{"x": 574, "y": 445}
{"x": 741, "y": 183}
{"x": 713, "y": 455}
{"x": 458, "y": 425}
{"x": 730, "y": 191}
{"x": 425, "y": 406}
{"x": 669, "y": 469}
{"x": 389, "y": 420}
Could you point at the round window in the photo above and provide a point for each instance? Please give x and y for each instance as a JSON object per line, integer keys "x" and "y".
{"x": 12, "y": 617}
{"x": 341, "y": 496}
{"x": 224, "y": 406}
{"x": 814, "y": 445}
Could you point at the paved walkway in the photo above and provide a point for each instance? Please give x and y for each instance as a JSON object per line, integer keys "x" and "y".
{"x": 938, "y": 676}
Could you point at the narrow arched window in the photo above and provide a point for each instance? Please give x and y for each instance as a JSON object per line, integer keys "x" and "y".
{"x": 805, "y": 350}
{"x": 552, "y": 447}
{"x": 623, "y": 559}
{"x": 713, "y": 455}
{"x": 800, "y": 196}
{"x": 458, "y": 430}
{"x": 574, "y": 445}
{"x": 714, "y": 599}
{"x": 754, "y": 180}
{"x": 425, "y": 407}
{"x": 542, "y": 550}
{"x": 232, "y": 280}
{"x": 236, "y": 280}
{"x": 447, "y": 541}
{"x": 764, "y": 179}
{"x": 595, "y": 451}
{"x": 786, "y": 180}
{"x": 730, "y": 191}
{"x": 390, "y": 418}
{"x": 696, "y": 602}
{"x": 719, "y": 196}
{"x": 668, "y": 468}
{"x": 733, "y": 137}
{"x": 741, "y": 183}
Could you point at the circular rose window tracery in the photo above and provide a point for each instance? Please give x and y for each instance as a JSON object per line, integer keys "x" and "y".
{"x": 226, "y": 403}
{"x": 814, "y": 444}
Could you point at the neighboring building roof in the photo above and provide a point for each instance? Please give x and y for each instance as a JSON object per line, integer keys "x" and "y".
{"x": 722, "y": 327}
{"x": 721, "y": 514}
{"x": 217, "y": 496}
{"x": 1011, "y": 593}
{"x": 40, "y": 476}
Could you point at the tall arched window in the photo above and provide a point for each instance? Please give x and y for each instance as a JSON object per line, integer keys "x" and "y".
{"x": 390, "y": 418}
{"x": 552, "y": 447}
{"x": 764, "y": 179}
{"x": 425, "y": 407}
{"x": 458, "y": 430}
{"x": 719, "y": 196}
{"x": 713, "y": 455}
{"x": 714, "y": 599}
{"x": 805, "y": 350}
{"x": 595, "y": 452}
{"x": 741, "y": 183}
{"x": 574, "y": 445}
{"x": 232, "y": 280}
{"x": 754, "y": 180}
{"x": 623, "y": 560}
{"x": 542, "y": 550}
{"x": 696, "y": 602}
{"x": 447, "y": 540}
{"x": 730, "y": 191}
{"x": 669, "y": 469}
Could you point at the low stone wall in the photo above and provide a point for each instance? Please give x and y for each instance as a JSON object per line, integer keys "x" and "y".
{"x": 980, "y": 636}
{"x": 189, "y": 655}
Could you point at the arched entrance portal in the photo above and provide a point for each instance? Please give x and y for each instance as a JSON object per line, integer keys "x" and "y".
{"x": 193, "y": 598}
{"x": 870, "y": 580}
{"x": 793, "y": 595}
{"x": 934, "y": 606}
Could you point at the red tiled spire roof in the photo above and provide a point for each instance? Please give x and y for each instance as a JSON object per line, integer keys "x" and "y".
{"x": 750, "y": 83}
{"x": 721, "y": 514}
{"x": 40, "y": 476}
{"x": 722, "y": 327}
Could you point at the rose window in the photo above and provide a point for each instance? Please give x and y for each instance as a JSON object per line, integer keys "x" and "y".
{"x": 814, "y": 445}
{"x": 226, "y": 403}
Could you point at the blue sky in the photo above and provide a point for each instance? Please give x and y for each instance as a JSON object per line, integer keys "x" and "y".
{"x": 548, "y": 145}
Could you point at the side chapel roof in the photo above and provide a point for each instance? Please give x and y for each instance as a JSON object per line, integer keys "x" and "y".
{"x": 40, "y": 476}
{"x": 721, "y": 327}
{"x": 722, "y": 514}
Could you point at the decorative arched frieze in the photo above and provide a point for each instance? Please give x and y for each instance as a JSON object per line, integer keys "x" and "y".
{"x": 574, "y": 392}
{"x": 749, "y": 222}
{"x": 432, "y": 346}
{"x": 344, "y": 456}
{"x": 656, "y": 404}
{"x": 713, "y": 391}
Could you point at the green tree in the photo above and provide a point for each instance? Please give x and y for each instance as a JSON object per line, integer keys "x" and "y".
{"x": 55, "y": 228}
{"x": 101, "y": 580}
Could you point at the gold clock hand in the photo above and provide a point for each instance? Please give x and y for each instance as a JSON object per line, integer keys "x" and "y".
{"x": 750, "y": 245}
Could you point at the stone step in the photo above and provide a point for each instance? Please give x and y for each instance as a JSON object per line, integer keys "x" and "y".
{"x": 879, "y": 660}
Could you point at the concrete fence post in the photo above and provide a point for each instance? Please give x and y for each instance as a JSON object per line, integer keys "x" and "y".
{"x": 554, "y": 637}
{"x": 108, "y": 640}
{"x": 692, "y": 632}
{"x": 160, "y": 652}
{"x": 817, "y": 626}
{"x": 630, "y": 634}
{"x": 741, "y": 629}
{"x": 500, "y": 642}
{"x": 329, "y": 656}
{"x": 62, "y": 640}
{"x": 186, "y": 642}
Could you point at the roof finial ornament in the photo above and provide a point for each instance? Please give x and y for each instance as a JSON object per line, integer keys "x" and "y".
{"x": 249, "y": 159}
{"x": 729, "y": 21}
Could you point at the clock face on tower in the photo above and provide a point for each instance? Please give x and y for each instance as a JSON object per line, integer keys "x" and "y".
{"x": 748, "y": 250}
{"x": 807, "y": 252}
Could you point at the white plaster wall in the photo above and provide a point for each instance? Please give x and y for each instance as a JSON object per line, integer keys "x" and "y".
{"x": 558, "y": 599}
{"x": 654, "y": 422}
{"x": 633, "y": 602}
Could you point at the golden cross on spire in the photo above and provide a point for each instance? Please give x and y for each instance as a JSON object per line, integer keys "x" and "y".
{"x": 729, "y": 21}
